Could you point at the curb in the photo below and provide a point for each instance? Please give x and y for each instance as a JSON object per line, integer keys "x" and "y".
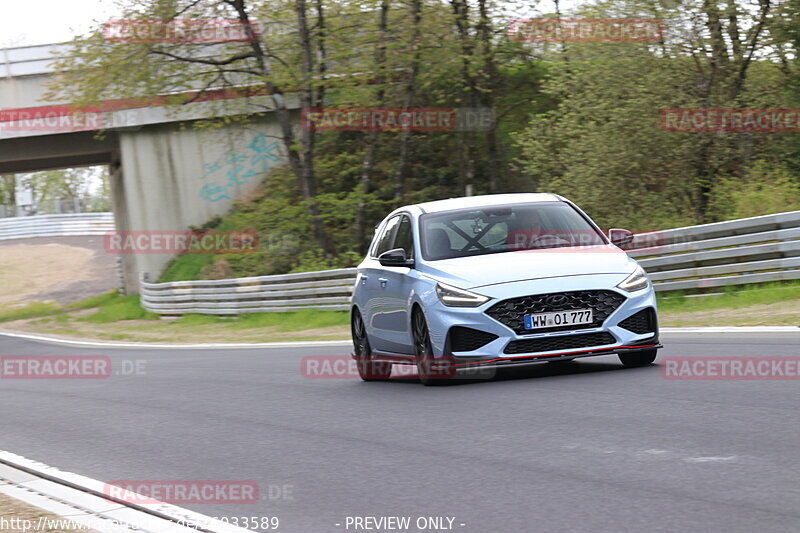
{"x": 734, "y": 329}
{"x": 56, "y": 486}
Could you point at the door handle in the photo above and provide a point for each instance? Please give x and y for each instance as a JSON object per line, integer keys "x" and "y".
{"x": 364, "y": 280}
{"x": 383, "y": 281}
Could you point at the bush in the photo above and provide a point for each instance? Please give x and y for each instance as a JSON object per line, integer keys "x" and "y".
{"x": 765, "y": 189}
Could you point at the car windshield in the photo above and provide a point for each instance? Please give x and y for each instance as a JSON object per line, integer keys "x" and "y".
{"x": 495, "y": 229}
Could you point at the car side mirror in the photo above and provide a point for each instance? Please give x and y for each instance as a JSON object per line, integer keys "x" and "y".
{"x": 395, "y": 258}
{"x": 620, "y": 237}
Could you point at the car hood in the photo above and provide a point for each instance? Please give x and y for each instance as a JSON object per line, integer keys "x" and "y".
{"x": 491, "y": 269}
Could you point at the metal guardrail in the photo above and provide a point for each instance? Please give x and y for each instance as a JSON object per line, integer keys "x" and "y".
{"x": 72, "y": 224}
{"x": 325, "y": 289}
{"x": 750, "y": 250}
{"x": 735, "y": 252}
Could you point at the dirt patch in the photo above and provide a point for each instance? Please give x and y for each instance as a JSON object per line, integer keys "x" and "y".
{"x": 15, "y": 513}
{"x": 60, "y": 269}
{"x": 28, "y": 270}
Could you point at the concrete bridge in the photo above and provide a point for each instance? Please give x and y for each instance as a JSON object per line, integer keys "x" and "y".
{"x": 163, "y": 176}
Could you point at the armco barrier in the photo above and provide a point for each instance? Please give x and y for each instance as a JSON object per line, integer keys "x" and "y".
{"x": 735, "y": 252}
{"x": 325, "y": 289}
{"x": 72, "y": 224}
{"x": 750, "y": 250}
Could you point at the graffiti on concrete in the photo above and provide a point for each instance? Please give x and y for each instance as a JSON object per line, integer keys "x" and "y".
{"x": 237, "y": 167}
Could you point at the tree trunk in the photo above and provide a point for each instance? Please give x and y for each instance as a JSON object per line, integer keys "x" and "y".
{"x": 410, "y": 88}
{"x": 372, "y": 136}
{"x": 488, "y": 81}
{"x": 461, "y": 14}
{"x": 308, "y": 135}
{"x": 724, "y": 81}
{"x": 302, "y": 166}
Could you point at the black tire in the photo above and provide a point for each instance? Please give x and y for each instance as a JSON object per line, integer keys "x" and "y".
{"x": 638, "y": 358}
{"x": 429, "y": 369}
{"x": 367, "y": 368}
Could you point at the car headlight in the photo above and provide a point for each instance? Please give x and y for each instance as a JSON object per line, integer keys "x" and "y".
{"x": 636, "y": 281}
{"x": 455, "y": 297}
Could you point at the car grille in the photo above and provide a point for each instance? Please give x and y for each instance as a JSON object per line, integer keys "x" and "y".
{"x": 561, "y": 342}
{"x": 510, "y": 312}
{"x": 640, "y": 322}
{"x": 467, "y": 339}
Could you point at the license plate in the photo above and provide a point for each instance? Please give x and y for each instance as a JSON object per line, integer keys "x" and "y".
{"x": 560, "y": 318}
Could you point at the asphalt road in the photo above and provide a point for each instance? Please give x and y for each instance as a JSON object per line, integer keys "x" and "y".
{"x": 590, "y": 447}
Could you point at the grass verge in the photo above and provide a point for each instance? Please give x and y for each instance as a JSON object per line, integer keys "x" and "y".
{"x": 730, "y": 298}
{"x": 120, "y": 318}
{"x": 108, "y": 307}
{"x": 766, "y": 304}
{"x": 31, "y": 310}
{"x": 289, "y": 321}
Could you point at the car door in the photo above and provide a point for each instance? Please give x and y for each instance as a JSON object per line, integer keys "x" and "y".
{"x": 371, "y": 286}
{"x": 390, "y": 320}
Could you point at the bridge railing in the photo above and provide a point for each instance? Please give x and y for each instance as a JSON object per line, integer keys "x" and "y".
{"x": 736, "y": 252}
{"x": 72, "y": 224}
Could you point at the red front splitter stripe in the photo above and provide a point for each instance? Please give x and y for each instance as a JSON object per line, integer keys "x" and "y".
{"x": 552, "y": 354}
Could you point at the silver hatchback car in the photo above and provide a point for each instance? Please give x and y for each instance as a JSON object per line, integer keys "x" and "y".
{"x": 497, "y": 280}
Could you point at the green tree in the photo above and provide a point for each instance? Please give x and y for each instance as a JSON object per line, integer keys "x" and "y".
{"x": 69, "y": 184}
{"x": 603, "y": 145}
{"x": 8, "y": 190}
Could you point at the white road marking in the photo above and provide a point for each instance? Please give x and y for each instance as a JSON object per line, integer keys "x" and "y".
{"x": 734, "y": 329}
{"x": 655, "y": 452}
{"x": 709, "y": 459}
{"x": 111, "y": 344}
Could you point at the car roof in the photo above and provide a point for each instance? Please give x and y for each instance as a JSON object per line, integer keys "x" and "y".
{"x": 486, "y": 200}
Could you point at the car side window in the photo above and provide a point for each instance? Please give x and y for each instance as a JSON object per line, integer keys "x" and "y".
{"x": 405, "y": 237}
{"x": 386, "y": 239}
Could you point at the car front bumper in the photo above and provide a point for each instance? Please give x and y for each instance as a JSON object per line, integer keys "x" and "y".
{"x": 617, "y": 339}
